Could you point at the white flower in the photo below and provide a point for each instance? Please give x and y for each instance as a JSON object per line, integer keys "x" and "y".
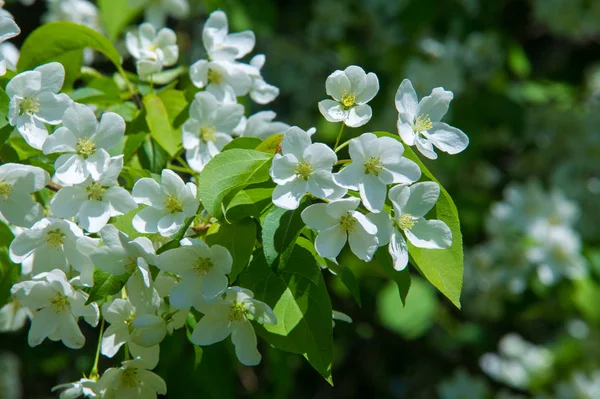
{"x": 208, "y": 129}
{"x": 152, "y": 50}
{"x": 157, "y": 11}
{"x": 51, "y": 244}
{"x": 351, "y": 89}
{"x": 8, "y": 29}
{"x": 93, "y": 202}
{"x": 17, "y": 183}
{"x": 231, "y": 315}
{"x": 261, "y": 125}
{"x": 13, "y": 316}
{"x": 169, "y": 204}
{"x": 338, "y": 222}
{"x": 419, "y": 121}
{"x": 56, "y": 306}
{"x": 226, "y": 80}
{"x": 222, "y": 45}
{"x": 261, "y": 92}
{"x": 141, "y": 329}
{"x": 85, "y": 142}
{"x": 303, "y": 167}
{"x": 121, "y": 255}
{"x": 34, "y": 101}
{"x": 131, "y": 380}
{"x": 376, "y": 162}
{"x": 73, "y": 390}
{"x": 9, "y": 56}
{"x": 81, "y": 12}
{"x": 202, "y": 270}
{"x": 411, "y": 204}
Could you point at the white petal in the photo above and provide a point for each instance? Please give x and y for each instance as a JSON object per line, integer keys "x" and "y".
{"x": 52, "y": 107}
{"x": 372, "y": 192}
{"x": 399, "y": 250}
{"x": 93, "y": 215}
{"x": 338, "y": 208}
{"x": 332, "y": 111}
{"x": 385, "y": 227}
{"x": 146, "y": 220}
{"x": 321, "y": 185}
{"x": 425, "y": 147}
{"x": 62, "y": 140}
{"x": 447, "y": 138}
{"x": 288, "y": 195}
{"x": 172, "y": 183}
{"x": 358, "y": 116}
{"x": 110, "y": 131}
{"x": 114, "y": 337}
{"x": 21, "y": 210}
{"x": 429, "y": 234}
{"x": 211, "y": 329}
{"x": 283, "y": 168}
{"x": 404, "y": 171}
{"x": 119, "y": 200}
{"x": 44, "y": 323}
{"x": 67, "y": 201}
{"x": 319, "y": 155}
{"x": 295, "y": 141}
{"x": 329, "y": 242}
{"x": 199, "y": 73}
{"x": 213, "y": 284}
{"x": 71, "y": 169}
{"x": 423, "y": 197}
{"x": 406, "y": 100}
{"x": 244, "y": 340}
{"x": 24, "y": 84}
{"x": 80, "y": 120}
{"x": 436, "y": 104}
{"x": 171, "y": 224}
{"x": 53, "y": 76}
{"x": 350, "y": 176}
{"x": 33, "y": 130}
{"x": 337, "y": 84}
{"x": 316, "y": 217}
{"x": 407, "y": 134}
{"x": 147, "y": 191}
{"x": 362, "y": 244}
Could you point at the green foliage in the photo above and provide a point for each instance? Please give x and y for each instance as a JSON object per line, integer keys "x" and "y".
{"x": 106, "y": 284}
{"x": 280, "y": 229}
{"x": 238, "y": 238}
{"x": 160, "y": 126}
{"x": 116, "y": 15}
{"x": 9, "y": 272}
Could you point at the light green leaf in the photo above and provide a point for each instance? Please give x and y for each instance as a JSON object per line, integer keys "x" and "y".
{"x": 160, "y": 124}
{"x": 106, "y": 284}
{"x": 175, "y": 103}
{"x": 271, "y": 144}
{"x": 298, "y": 296}
{"x": 252, "y": 201}
{"x": 228, "y": 173}
{"x": 4, "y": 100}
{"x": 238, "y": 238}
{"x": 116, "y": 15}
{"x": 248, "y": 143}
{"x": 9, "y": 271}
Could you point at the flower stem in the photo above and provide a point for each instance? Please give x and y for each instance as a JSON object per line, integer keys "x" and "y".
{"x": 94, "y": 372}
{"x": 339, "y": 136}
{"x": 180, "y": 169}
{"x": 127, "y": 82}
{"x": 341, "y": 146}
{"x": 342, "y": 161}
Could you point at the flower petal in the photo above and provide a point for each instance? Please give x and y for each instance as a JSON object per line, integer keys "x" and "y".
{"x": 332, "y": 111}
{"x": 406, "y": 100}
{"x": 295, "y": 141}
{"x": 53, "y": 76}
{"x": 93, "y": 215}
{"x": 110, "y": 131}
{"x": 146, "y": 220}
{"x": 362, "y": 243}
{"x": 436, "y": 104}
{"x": 211, "y": 329}
{"x": 148, "y": 191}
{"x": 329, "y": 242}
{"x": 337, "y": 84}
{"x": 244, "y": 340}
{"x": 171, "y": 223}
{"x": 359, "y": 115}
{"x": 372, "y": 192}
{"x": 62, "y": 140}
{"x": 283, "y": 168}
{"x": 429, "y": 234}
{"x": 316, "y": 217}
{"x": 399, "y": 250}
{"x": 288, "y": 195}
{"x": 319, "y": 155}
{"x": 321, "y": 185}
{"x": 447, "y": 138}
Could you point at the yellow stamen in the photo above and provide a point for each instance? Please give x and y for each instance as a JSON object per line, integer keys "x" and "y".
{"x": 59, "y": 302}
{"x": 95, "y": 191}
{"x": 30, "y": 105}
{"x": 55, "y": 239}
{"x": 348, "y": 100}
{"x": 207, "y": 133}
{"x": 173, "y": 204}
{"x": 237, "y": 312}
{"x": 202, "y": 266}
{"x": 406, "y": 221}
{"x": 422, "y": 124}
{"x": 6, "y": 191}
{"x": 214, "y": 77}
{"x": 303, "y": 170}
{"x": 85, "y": 147}
{"x": 373, "y": 166}
{"x": 347, "y": 223}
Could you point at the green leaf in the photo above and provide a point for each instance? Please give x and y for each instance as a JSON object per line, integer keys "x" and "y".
{"x": 4, "y": 100}
{"x": 280, "y": 229}
{"x": 413, "y": 320}
{"x": 441, "y": 267}
{"x": 238, "y": 238}
{"x": 9, "y": 271}
{"x": 160, "y": 124}
{"x": 106, "y": 284}
{"x": 270, "y": 144}
{"x": 116, "y": 15}
{"x": 152, "y": 156}
{"x": 51, "y": 41}
{"x": 298, "y": 296}
{"x": 248, "y": 143}
{"x": 5, "y": 133}
{"x": 402, "y": 277}
{"x": 228, "y": 173}
{"x": 252, "y": 201}
{"x": 132, "y": 143}
{"x": 175, "y": 103}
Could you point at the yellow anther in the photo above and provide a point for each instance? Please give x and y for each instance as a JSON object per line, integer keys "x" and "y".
{"x": 347, "y": 223}
{"x": 406, "y": 221}
{"x": 173, "y": 204}
{"x": 373, "y": 166}
{"x": 422, "y": 124}
{"x": 207, "y": 133}
{"x": 5, "y": 191}
{"x": 202, "y": 266}
{"x": 303, "y": 170}
{"x": 214, "y": 77}
{"x": 55, "y": 238}
{"x": 348, "y": 100}
{"x": 237, "y": 312}
{"x": 59, "y": 302}
{"x": 85, "y": 147}
{"x": 95, "y": 191}
{"x": 30, "y": 105}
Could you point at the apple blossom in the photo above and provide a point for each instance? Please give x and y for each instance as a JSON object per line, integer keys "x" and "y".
{"x": 17, "y": 183}
{"x": 132, "y": 380}
{"x": 153, "y": 50}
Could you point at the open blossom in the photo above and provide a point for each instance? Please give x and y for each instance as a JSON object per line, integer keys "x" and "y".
{"x": 338, "y": 222}
{"x": 81, "y": 12}
{"x": 17, "y": 183}
{"x": 132, "y": 380}
{"x": 169, "y": 204}
{"x": 231, "y": 315}
{"x": 51, "y": 244}
{"x": 208, "y": 129}
{"x": 56, "y": 307}
{"x": 261, "y": 92}
{"x": 13, "y": 316}
{"x": 419, "y": 121}
{"x": 73, "y": 390}
{"x": 85, "y": 143}
{"x": 303, "y": 168}
{"x": 222, "y": 45}
{"x": 351, "y": 89}
{"x": 8, "y": 29}
{"x": 94, "y": 202}
{"x": 261, "y": 125}
{"x": 34, "y": 101}
{"x": 152, "y": 50}
{"x": 9, "y": 56}
{"x": 376, "y": 162}
{"x": 157, "y": 11}
{"x": 202, "y": 270}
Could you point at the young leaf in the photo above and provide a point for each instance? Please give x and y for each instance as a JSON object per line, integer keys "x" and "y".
{"x": 248, "y": 143}
{"x": 238, "y": 238}
{"x": 228, "y": 173}
{"x": 252, "y": 201}
{"x": 160, "y": 124}
{"x": 106, "y": 284}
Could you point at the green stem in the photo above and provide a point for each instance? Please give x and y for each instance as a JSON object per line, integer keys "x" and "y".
{"x": 127, "y": 82}
{"x": 339, "y": 136}
{"x": 342, "y": 161}
{"x": 180, "y": 169}
{"x": 94, "y": 372}
{"x": 127, "y": 357}
{"x": 183, "y": 162}
{"x": 341, "y": 146}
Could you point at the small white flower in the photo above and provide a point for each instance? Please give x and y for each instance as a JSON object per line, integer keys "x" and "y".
{"x": 73, "y": 390}
{"x": 152, "y": 50}
{"x": 9, "y": 56}
{"x": 141, "y": 329}
{"x": 51, "y": 244}
{"x": 232, "y": 315}
{"x": 261, "y": 92}
{"x": 303, "y": 167}
{"x": 169, "y": 204}
{"x": 34, "y": 101}
{"x": 208, "y": 129}
{"x": 411, "y": 204}
{"x": 132, "y": 380}
{"x": 8, "y": 29}
{"x": 202, "y": 270}
{"x": 13, "y": 316}
{"x": 419, "y": 121}
{"x": 157, "y": 11}
{"x": 57, "y": 306}
{"x": 121, "y": 255}
{"x": 85, "y": 142}
{"x": 93, "y": 202}
{"x": 376, "y": 162}
{"x": 261, "y": 125}
{"x": 351, "y": 89}
{"x": 226, "y": 80}
{"x": 222, "y": 45}
{"x": 81, "y": 12}
{"x": 17, "y": 183}
{"x": 338, "y": 222}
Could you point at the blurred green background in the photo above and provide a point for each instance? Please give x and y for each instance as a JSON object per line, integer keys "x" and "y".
{"x": 526, "y": 80}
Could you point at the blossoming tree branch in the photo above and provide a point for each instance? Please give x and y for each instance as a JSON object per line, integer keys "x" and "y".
{"x": 150, "y": 202}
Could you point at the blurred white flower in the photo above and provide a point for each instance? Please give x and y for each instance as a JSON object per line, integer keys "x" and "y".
{"x": 132, "y": 380}
{"x": 73, "y": 390}
{"x": 153, "y": 50}
{"x": 261, "y": 125}
{"x": 157, "y": 11}
{"x": 17, "y": 183}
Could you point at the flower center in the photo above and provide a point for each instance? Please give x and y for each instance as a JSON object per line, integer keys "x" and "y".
{"x": 347, "y": 223}
{"x": 5, "y": 191}
{"x": 406, "y": 221}
{"x": 202, "y": 266}
{"x": 348, "y": 100}
{"x": 85, "y": 147}
{"x": 173, "y": 204}
{"x": 237, "y": 312}
{"x": 373, "y": 166}
{"x": 30, "y": 105}
{"x": 422, "y": 124}
{"x": 214, "y": 77}
{"x": 303, "y": 170}
{"x": 95, "y": 191}
{"x": 129, "y": 378}
{"x": 130, "y": 264}
{"x": 55, "y": 238}
{"x": 59, "y": 302}
{"x": 207, "y": 133}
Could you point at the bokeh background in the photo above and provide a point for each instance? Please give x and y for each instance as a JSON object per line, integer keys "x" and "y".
{"x": 526, "y": 80}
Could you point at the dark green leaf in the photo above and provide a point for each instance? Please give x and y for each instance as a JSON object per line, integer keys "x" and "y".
{"x": 4, "y": 100}
{"x": 280, "y": 229}
{"x": 106, "y": 284}
{"x": 252, "y": 201}
{"x": 238, "y": 238}
{"x": 152, "y": 156}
